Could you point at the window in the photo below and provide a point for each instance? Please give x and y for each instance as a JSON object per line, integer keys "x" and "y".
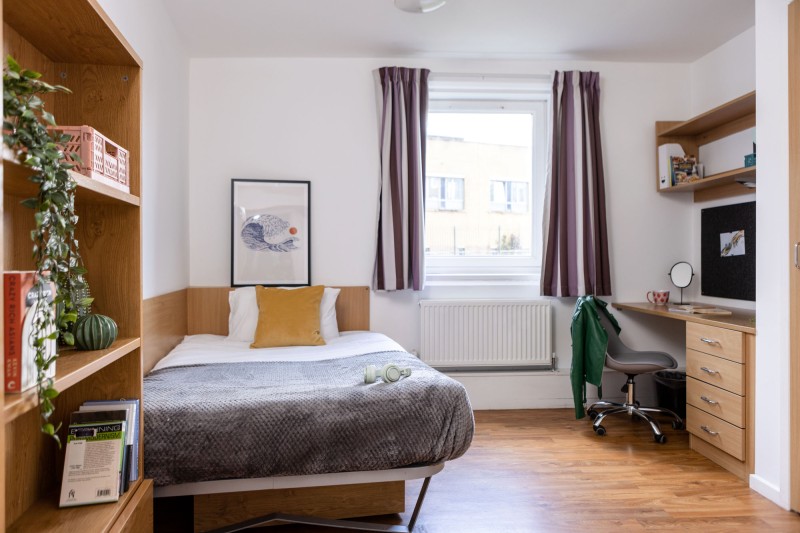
{"x": 484, "y": 226}
{"x": 510, "y": 196}
{"x": 445, "y": 194}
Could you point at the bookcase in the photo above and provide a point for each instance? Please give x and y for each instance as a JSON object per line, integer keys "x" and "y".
{"x": 74, "y": 43}
{"x": 729, "y": 118}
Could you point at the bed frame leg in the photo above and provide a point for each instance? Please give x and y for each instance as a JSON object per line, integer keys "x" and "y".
{"x": 329, "y": 522}
{"x": 418, "y": 506}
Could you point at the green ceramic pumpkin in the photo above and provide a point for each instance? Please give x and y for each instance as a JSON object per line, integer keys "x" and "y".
{"x": 94, "y": 332}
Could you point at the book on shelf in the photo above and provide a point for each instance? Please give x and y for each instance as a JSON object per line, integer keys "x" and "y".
{"x": 132, "y": 438}
{"x": 683, "y": 169}
{"x": 22, "y": 294}
{"x": 665, "y": 154}
{"x": 94, "y": 461}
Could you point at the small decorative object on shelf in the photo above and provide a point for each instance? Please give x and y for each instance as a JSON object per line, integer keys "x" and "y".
{"x": 95, "y": 332}
{"x": 98, "y": 158}
{"x": 750, "y": 160}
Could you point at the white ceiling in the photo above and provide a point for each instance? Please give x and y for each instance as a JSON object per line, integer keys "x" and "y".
{"x": 613, "y": 30}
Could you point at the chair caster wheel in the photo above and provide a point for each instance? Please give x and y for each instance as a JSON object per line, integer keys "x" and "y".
{"x": 592, "y": 414}
{"x": 677, "y": 425}
{"x": 661, "y": 439}
{"x": 600, "y": 430}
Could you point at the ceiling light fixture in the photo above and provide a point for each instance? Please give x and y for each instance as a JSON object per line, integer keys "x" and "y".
{"x": 419, "y": 6}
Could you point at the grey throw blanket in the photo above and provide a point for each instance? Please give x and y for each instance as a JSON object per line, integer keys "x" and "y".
{"x": 248, "y": 420}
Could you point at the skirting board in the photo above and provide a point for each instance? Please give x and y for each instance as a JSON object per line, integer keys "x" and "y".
{"x": 541, "y": 390}
{"x": 769, "y": 491}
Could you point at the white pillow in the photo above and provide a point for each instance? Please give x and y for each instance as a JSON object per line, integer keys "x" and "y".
{"x": 243, "y": 319}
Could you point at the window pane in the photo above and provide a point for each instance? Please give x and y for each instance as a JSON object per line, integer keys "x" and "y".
{"x": 484, "y": 213}
{"x": 434, "y": 192}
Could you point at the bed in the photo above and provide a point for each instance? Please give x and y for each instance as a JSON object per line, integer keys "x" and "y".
{"x": 222, "y": 418}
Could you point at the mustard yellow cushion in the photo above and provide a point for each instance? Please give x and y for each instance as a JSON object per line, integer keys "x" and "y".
{"x": 288, "y": 317}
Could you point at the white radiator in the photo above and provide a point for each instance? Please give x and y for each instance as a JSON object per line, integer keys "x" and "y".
{"x": 486, "y": 334}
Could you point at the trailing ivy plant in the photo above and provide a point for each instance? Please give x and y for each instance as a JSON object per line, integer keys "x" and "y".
{"x": 55, "y": 249}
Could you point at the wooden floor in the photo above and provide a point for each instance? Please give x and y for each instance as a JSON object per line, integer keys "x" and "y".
{"x": 543, "y": 471}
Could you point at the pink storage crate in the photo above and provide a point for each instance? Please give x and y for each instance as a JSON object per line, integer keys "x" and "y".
{"x": 101, "y": 158}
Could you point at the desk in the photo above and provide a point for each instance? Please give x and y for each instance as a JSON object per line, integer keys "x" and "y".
{"x": 720, "y": 383}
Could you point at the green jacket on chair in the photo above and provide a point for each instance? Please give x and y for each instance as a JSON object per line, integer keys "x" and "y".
{"x": 589, "y": 344}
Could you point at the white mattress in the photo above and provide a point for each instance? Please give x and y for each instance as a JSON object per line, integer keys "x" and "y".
{"x": 208, "y": 349}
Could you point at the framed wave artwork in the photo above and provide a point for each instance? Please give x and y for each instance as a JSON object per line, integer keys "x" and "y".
{"x": 270, "y": 233}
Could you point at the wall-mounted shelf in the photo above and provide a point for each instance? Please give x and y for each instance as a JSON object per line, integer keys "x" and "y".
{"x": 730, "y": 183}
{"x": 729, "y": 118}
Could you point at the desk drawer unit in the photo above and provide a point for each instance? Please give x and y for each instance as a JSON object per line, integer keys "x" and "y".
{"x": 713, "y": 340}
{"x": 716, "y": 371}
{"x": 727, "y": 437}
{"x": 718, "y": 402}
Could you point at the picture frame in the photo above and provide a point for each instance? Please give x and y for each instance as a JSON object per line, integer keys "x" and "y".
{"x": 270, "y": 233}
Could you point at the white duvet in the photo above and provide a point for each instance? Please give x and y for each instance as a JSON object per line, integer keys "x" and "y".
{"x": 208, "y": 349}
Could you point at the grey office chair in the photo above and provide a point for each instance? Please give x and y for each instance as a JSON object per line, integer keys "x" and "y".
{"x": 632, "y": 363}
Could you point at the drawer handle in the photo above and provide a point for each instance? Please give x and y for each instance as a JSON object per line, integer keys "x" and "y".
{"x": 709, "y": 341}
{"x": 708, "y": 370}
{"x": 709, "y": 431}
{"x": 708, "y": 400}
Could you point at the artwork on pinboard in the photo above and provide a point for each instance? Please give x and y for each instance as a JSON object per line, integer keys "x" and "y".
{"x": 270, "y": 233}
{"x": 728, "y": 251}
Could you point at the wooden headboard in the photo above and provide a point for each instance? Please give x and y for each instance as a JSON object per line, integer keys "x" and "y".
{"x": 167, "y": 318}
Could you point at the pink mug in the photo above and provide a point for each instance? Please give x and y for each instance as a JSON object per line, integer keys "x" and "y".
{"x": 659, "y": 297}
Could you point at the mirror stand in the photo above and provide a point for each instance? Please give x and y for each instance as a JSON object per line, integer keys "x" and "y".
{"x": 681, "y": 275}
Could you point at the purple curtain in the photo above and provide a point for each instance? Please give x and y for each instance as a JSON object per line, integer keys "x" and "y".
{"x": 575, "y": 255}
{"x": 400, "y": 258}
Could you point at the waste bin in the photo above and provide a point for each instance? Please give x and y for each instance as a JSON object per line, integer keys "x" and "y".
{"x": 671, "y": 391}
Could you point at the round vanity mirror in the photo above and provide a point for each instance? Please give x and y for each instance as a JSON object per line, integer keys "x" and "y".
{"x": 681, "y": 274}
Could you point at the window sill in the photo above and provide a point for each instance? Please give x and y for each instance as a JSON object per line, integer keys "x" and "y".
{"x": 472, "y": 280}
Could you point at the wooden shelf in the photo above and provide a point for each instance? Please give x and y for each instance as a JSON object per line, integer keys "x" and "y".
{"x": 16, "y": 183}
{"x": 71, "y": 367}
{"x": 715, "y": 180}
{"x": 732, "y": 117}
{"x": 70, "y": 32}
{"x": 732, "y": 111}
{"x": 45, "y": 515}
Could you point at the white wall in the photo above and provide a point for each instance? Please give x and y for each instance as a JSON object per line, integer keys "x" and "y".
{"x": 718, "y": 77}
{"x": 724, "y": 74}
{"x": 165, "y": 236}
{"x": 315, "y": 119}
{"x": 771, "y": 477}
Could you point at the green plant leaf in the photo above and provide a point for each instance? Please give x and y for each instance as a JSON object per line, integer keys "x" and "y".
{"x": 30, "y": 203}
{"x": 68, "y": 337}
{"x": 13, "y": 66}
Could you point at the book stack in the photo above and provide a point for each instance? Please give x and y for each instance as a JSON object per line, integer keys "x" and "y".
{"x": 683, "y": 169}
{"x": 102, "y": 456}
